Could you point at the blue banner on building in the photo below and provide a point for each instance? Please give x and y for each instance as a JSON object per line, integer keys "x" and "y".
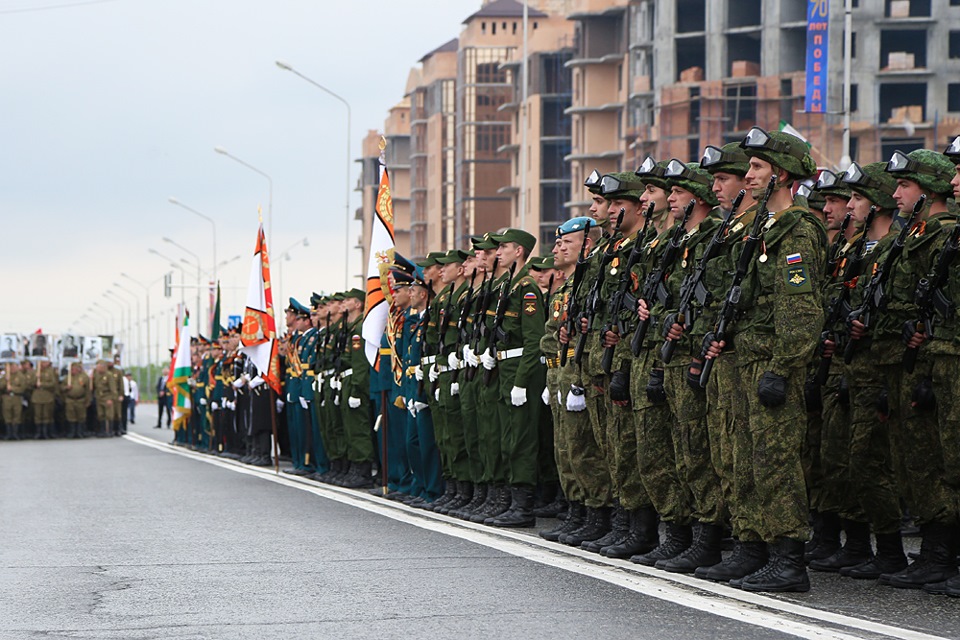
{"x": 233, "y": 321}
{"x": 818, "y": 39}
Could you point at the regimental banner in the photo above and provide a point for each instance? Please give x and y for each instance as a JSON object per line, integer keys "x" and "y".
{"x": 381, "y": 253}
{"x": 818, "y": 40}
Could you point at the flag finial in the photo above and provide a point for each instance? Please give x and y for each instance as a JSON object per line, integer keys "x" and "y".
{"x": 383, "y": 143}
{"x": 260, "y": 213}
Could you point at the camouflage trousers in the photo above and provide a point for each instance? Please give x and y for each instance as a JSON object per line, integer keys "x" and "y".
{"x": 579, "y": 456}
{"x": 597, "y": 409}
{"x": 657, "y": 444}
{"x": 771, "y": 494}
{"x": 833, "y": 453}
{"x": 694, "y": 463}
{"x": 921, "y": 435}
{"x": 871, "y": 478}
{"x": 622, "y": 457}
{"x": 723, "y": 392}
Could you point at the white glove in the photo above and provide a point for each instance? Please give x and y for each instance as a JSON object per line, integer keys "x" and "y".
{"x": 191, "y": 382}
{"x": 353, "y": 403}
{"x": 333, "y": 383}
{"x": 454, "y": 388}
{"x": 453, "y": 361}
{"x": 576, "y": 403}
{"x": 545, "y": 396}
{"x": 336, "y": 400}
{"x": 411, "y": 408}
{"x": 318, "y": 385}
{"x": 434, "y": 373}
{"x": 203, "y": 402}
{"x": 279, "y": 405}
{"x": 239, "y": 382}
{"x": 488, "y": 360}
{"x": 470, "y": 357}
{"x": 518, "y": 396}
{"x": 214, "y": 406}
{"x": 436, "y": 395}
{"x": 256, "y": 382}
{"x": 304, "y": 403}
{"x": 339, "y": 384}
{"x": 418, "y": 373}
{"x": 420, "y": 406}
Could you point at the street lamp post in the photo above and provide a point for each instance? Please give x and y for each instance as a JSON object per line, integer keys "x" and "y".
{"x": 197, "y": 258}
{"x": 122, "y": 302}
{"x": 105, "y": 317}
{"x": 285, "y": 255}
{"x": 212, "y": 224}
{"x": 346, "y": 231}
{"x": 139, "y": 358}
{"x": 146, "y": 295}
{"x": 173, "y": 263}
{"x": 224, "y": 152}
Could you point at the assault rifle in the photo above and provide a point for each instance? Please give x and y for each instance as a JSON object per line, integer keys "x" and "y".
{"x": 422, "y": 329}
{"x": 731, "y": 300}
{"x": 573, "y": 304}
{"x": 653, "y": 284}
{"x": 479, "y": 317}
{"x": 930, "y": 298}
{"x": 692, "y": 285}
{"x": 496, "y": 335}
{"x": 874, "y": 296}
{"x": 444, "y": 323}
{"x": 834, "y": 255}
{"x": 462, "y": 324}
{"x": 592, "y": 303}
{"x": 839, "y": 307}
{"x": 616, "y": 303}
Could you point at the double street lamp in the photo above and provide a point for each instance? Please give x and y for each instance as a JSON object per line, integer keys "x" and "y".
{"x": 226, "y": 153}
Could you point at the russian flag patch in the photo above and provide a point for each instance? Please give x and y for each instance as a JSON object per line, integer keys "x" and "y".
{"x": 530, "y": 296}
{"x": 794, "y": 258}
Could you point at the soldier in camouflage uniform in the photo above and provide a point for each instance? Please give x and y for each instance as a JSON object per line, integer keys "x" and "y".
{"x": 776, "y": 334}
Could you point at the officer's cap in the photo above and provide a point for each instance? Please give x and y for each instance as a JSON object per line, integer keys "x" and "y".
{"x": 521, "y": 237}
{"x": 402, "y": 264}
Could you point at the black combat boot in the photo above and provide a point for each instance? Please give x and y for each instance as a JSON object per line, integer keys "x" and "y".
{"x": 574, "y": 520}
{"x": 949, "y": 587}
{"x": 642, "y": 535}
{"x": 478, "y": 499}
{"x": 937, "y": 561}
{"x": 889, "y": 559}
{"x": 679, "y": 537}
{"x": 15, "y": 432}
{"x": 449, "y": 492}
{"x": 483, "y": 511}
{"x": 704, "y": 552}
{"x": 498, "y": 506}
{"x": 619, "y": 529}
{"x": 520, "y": 513}
{"x": 551, "y": 502}
{"x": 596, "y": 525}
{"x": 785, "y": 571}
{"x": 826, "y": 537}
{"x": 856, "y": 549}
{"x": 746, "y": 558}
{"x": 361, "y": 478}
{"x": 461, "y": 497}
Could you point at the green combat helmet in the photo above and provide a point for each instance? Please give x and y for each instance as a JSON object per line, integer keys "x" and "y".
{"x": 873, "y": 183}
{"x": 780, "y": 149}
{"x": 830, "y": 184}
{"x": 651, "y": 172}
{"x": 809, "y": 197}
{"x": 690, "y": 177}
{"x": 622, "y": 185}
{"x": 727, "y": 159}
{"x": 592, "y": 183}
{"x": 929, "y": 169}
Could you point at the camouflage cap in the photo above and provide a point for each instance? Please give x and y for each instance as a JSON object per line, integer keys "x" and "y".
{"x": 623, "y": 185}
{"x": 690, "y": 177}
{"x": 929, "y": 169}
{"x": 729, "y": 158}
{"x": 780, "y": 149}
{"x": 872, "y": 182}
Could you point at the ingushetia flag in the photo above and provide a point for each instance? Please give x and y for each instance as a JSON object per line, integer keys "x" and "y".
{"x": 381, "y": 252}
{"x": 178, "y": 380}
{"x": 258, "y": 335}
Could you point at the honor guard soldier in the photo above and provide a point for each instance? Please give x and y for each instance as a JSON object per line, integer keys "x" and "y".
{"x": 354, "y": 389}
{"x": 296, "y": 404}
{"x": 777, "y": 330}
{"x": 14, "y": 386}
{"x": 77, "y": 396}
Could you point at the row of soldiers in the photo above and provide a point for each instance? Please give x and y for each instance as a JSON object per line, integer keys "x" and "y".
{"x": 91, "y": 404}
{"x": 675, "y": 364}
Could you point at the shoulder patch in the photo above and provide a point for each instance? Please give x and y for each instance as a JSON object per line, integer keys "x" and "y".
{"x": 796, "y": 279}
{"x": 357, "y": 343}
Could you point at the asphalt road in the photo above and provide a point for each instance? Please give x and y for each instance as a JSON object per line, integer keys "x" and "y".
{"x": 131, "y": 538}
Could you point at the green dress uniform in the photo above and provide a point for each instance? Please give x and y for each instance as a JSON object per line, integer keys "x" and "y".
{"x": 333, "y": 434}
{"x": 355, "y": 403}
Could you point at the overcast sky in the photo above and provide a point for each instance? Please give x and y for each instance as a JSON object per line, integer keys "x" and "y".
{"x": 108, "y": 108}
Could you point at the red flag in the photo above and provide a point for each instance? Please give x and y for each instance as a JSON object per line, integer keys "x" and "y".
{"x": 258, "y": 334}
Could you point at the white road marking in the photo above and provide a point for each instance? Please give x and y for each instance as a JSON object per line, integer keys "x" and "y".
{"x": 734, "y": 604}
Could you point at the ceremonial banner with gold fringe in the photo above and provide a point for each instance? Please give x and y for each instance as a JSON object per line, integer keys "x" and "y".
{"x": 382, "y": 242}
{"x": 180, "y": 370}
{"x": 258, "y": 333}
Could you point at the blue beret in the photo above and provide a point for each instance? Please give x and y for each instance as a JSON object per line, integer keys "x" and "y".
{"x": 573, "y": 225}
